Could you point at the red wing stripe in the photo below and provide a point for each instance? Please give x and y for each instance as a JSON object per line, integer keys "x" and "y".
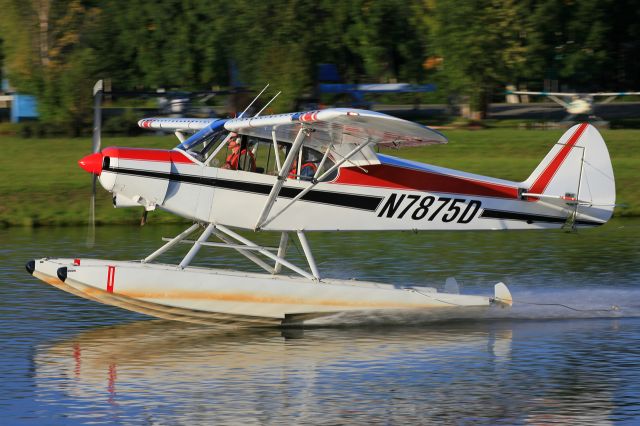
{"x": 549, "y": 172}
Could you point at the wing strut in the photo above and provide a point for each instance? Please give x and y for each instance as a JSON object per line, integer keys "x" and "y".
{"x": 275, "y": 149}
{"x": 282, "y": 176}
{"x": 315, "y": 182}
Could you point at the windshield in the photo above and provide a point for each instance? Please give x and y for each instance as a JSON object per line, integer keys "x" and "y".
{"x": 205, "y": 140}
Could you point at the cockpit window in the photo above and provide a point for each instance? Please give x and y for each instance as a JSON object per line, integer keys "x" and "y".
{"x": 217, "y": 147}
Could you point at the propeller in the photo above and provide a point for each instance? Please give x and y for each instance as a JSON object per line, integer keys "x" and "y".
{"x": 98, "y": 90}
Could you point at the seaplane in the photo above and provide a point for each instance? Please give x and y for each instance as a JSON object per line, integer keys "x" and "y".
{"x": 318, "y": 171}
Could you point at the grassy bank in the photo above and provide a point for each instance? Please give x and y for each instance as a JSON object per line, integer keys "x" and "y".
{"x": 41, "y": 184}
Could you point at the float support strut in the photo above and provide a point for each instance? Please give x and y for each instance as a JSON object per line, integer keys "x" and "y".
{"x": 196, "y": 246}
{"x": 308, "y": 254}
{"x": 171, "y": 243}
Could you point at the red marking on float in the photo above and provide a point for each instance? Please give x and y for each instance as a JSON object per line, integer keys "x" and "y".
{"x": 111, "y": 273}
{"x": 76, "y": 262}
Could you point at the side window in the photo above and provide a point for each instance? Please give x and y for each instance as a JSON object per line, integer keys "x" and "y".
{"x": 265, "y": 155}
{"x": 250, "y": 154}
{"x": 239, "y": 155}
{"x": 258, "y": 155}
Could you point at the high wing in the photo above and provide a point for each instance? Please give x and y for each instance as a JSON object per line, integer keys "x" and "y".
{"x": 186, "y": 125}
{"x": 337, "y": 126}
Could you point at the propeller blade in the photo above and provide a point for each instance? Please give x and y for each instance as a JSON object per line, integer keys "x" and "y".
{"x": 97, "y": 115}
{"x": 91, "y": 234}
{"x": 98, "y": 89}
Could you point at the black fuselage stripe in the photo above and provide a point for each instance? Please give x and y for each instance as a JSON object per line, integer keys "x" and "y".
{"x": 354, "y": 201}
{"x": 502, "y": 214}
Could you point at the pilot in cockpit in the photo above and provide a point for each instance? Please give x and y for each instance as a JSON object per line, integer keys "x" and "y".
{"x": 310, "y": 161}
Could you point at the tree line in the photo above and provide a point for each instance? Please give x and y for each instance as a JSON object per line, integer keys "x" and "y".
{"x": 56, "y": 49}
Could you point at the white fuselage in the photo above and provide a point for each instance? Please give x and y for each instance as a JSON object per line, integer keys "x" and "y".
{"x": 393, "y": 195}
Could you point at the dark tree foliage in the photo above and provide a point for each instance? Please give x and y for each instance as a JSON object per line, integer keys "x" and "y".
{"x": 472, "y": 48}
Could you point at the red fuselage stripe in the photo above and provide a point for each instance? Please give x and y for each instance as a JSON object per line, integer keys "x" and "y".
{"x": 549, "y": 172}
{"x": 387, "y": 176}
{"x": 147, "y": 155}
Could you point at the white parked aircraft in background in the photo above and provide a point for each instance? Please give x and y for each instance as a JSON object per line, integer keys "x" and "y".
{"x": 576, "y": 104}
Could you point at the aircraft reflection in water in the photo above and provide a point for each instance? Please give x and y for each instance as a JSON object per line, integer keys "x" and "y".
{"x": 149, "y": 368}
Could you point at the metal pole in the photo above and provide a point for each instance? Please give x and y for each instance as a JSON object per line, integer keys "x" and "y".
{"x": 196, "y": 247}
{"x": 268, "y": 103}
{"x": 171, "y": 243}
{"x": 308, "y": 254}
{"x": 254, "y": 99}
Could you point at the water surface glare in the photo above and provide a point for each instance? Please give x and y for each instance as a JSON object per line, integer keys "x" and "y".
{"x": 66, "y": 360}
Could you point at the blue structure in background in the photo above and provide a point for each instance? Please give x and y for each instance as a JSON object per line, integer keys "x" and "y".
{"x": 329, "y": 82}
{"x": 23, "y": 107}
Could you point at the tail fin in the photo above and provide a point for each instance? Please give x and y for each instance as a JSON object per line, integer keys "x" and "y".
{"x": 577, "y": 175}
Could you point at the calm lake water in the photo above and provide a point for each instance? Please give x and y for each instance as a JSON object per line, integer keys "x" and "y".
{"x": 66, "y": 360}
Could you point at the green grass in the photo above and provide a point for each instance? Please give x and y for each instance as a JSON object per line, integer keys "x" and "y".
{"x": 41, "y": 183}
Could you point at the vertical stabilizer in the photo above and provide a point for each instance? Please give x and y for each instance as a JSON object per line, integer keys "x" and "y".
{"x": 578, "y": 172}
